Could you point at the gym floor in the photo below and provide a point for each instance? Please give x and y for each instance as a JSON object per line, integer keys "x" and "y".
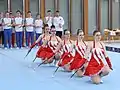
{"x": 15, "y": 74}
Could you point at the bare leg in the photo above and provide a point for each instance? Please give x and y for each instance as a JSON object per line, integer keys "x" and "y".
{"x": 66, "y": 67}
{"x": 57, "y": 58}
{"x": 45, "y": 61}
{"x": 105, "y": 71}
{"x": 80, "y": 72}
{"x": 96, "y": 79}
{"x": 50, "y": 60}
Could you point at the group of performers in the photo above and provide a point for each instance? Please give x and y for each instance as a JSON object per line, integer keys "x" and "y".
{"x": 20, "y": 31}
{"x": 86, "y": 59}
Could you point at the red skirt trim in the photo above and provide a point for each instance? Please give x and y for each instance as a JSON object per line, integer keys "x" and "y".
{"x": 77, "y": 62}
{"x": 49, "y": 53}
{"x": 65, "y": 59}
{"x": 45, "y": 52}
{"x": 93, "y": 67}
{"x": 41, "y": 53}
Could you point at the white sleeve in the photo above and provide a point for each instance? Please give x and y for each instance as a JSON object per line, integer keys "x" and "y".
{"x": 41, "y": 23}
{"x": 54, "y": 22}
{"x": 33, "y": 21}
{"x": 62, "y": 21}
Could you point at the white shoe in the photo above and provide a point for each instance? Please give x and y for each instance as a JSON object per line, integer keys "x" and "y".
{"x": 17, "y": 48}
{"x": 101, "y": 81}
{"x": 27, "y": 47}
{"x": 10, "y": 48}
{"x": 21, "y": 48}
{"x": 5, "y": 48}
{"x": 73, "y": 72}
{"x": 62, "y": 69}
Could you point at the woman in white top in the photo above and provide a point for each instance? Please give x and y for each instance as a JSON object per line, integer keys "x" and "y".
{"x": 18, "y": 23}
{"x": 7, "y": 23}
{"x": 38, "y": 26}
{"x": 29, "y": 24}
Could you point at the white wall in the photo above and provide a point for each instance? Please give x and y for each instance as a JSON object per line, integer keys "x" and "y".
{"x": 49, "y": 5}
{"x": 15, "y": 6}
{"x": 3, "y": 5}
{"x": 76, "y": 16}
{"x": 115, "y": 15}
{"x": 91, "y": 16}
{"x": 63, "y": 6}
{"x": 104, "y": 15}
{"x": 34, "y": 7}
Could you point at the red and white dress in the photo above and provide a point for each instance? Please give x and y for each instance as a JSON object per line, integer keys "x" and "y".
{"x": 41, "y": 53}
{"x": 79, "y": 54}
{"x": 52, "y": 46}
{"x": 96, "y": 63}
{"x": 67, "y": 55}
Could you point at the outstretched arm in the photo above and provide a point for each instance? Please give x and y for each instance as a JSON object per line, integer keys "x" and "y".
{"x": 107, "y": 58}
{"x": 37, "y": 41}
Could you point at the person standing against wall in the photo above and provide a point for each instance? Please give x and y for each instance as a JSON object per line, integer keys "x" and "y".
{"x": 13, "y": 30}
{"x": 38, "y": 26}
{"x": 48, "y": 19}
{"x": 1, "y": 29}
{"x": 7, "y": 25}
{"x": 18, "y": 23}
{"x": 58, "y": 21}
{"x": 29, "y": 24}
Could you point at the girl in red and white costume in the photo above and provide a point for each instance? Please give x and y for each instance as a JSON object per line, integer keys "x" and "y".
{"x": 52, "y": 46}
{"x": 80, "y": 48}
{"x": 96, "y": 66}
{"x": 43, "y": 39}
{"x": 68, "y": 53}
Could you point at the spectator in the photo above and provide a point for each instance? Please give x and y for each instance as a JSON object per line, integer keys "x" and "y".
{"x": 58, "y": 21}
{"x": 29, "y": 24}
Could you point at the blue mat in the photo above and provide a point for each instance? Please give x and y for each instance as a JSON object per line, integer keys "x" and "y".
{"x": 16, "y": 75}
